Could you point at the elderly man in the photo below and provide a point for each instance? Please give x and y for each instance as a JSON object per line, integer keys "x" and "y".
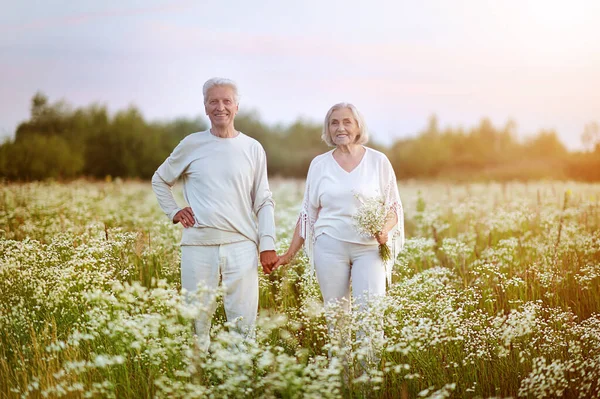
{"x": 231, "y": 212}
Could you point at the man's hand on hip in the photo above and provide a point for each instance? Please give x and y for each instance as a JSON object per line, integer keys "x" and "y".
{"x": 268, "y": 259}
{"x": 185, "y": 217}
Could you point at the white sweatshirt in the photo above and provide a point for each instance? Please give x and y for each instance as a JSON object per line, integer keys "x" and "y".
{"x": 330, "y": 199}
{"x": 225, "y": 183}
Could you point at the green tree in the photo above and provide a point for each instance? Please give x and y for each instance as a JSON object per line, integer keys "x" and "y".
{"x": 39, "y": 157}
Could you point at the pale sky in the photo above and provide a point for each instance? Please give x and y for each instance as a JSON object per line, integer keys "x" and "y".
{"x": 536, "y": 62}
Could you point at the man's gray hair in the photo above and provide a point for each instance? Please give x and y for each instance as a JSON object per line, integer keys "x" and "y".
{"x": 210, "y": 83}
{"x": 363, "y": 132}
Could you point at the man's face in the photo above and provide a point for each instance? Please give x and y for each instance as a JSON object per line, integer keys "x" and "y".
{"x": 220, "y": 106}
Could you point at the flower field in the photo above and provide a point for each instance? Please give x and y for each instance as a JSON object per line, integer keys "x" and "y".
{"x": 496, "y": 294}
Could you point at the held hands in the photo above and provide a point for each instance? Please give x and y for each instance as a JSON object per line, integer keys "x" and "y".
{"x": 268, "y": 260}
{"x": 381, "y": 237}
{"x": 185, "y": 217}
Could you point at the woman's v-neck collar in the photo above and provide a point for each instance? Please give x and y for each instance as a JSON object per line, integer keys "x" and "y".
{"x": 362, "y": 160}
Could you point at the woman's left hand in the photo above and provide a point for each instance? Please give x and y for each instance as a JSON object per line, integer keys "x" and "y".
{"x": 381, "y": 237}
{"x": 283, "y": 260}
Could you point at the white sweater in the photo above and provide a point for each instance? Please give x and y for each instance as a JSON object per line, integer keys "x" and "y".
{"x": 330, "y": 199}
{"x": 225, "y": 184}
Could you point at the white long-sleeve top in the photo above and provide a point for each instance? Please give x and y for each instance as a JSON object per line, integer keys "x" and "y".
{"x": 225, "y": 183}
{"x": 332, "y": 197}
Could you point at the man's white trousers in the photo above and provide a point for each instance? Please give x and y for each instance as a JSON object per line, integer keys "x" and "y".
{"x": 236, "y": 264}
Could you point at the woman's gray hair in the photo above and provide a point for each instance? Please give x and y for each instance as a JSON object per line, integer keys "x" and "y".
{"x": 210, "y": 83}
{"x": 363, "y": 132}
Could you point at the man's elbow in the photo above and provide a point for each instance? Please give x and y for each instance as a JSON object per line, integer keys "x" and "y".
{"x": 265, "y": 204}
{"x": 158, "y": 181}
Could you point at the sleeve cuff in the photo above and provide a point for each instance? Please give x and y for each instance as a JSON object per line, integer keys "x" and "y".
{"x": 173, "y": 213}
{"x": 267, "y": 243}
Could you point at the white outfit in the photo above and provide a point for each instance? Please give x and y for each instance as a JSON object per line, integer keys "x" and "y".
{"x": 331, "y": 198}
{"x": 225, "y": 184}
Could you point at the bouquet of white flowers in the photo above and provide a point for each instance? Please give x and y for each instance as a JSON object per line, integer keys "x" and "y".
{"x": 370, "y": 219}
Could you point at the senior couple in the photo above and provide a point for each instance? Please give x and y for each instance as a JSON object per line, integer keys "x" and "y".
{"x": 231, "y": 212}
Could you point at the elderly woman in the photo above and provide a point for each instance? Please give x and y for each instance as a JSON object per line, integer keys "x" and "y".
{"x": 336, "y": 182}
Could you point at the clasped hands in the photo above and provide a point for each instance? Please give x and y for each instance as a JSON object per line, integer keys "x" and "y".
{"x": 268, "y": 261}
{"x": 279, "y": 261}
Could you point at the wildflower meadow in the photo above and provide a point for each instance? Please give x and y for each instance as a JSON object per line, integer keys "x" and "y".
{"x": 495, "y": 295}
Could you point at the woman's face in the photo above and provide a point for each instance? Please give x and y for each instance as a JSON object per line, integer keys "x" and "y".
{"x": 343, "y": 128}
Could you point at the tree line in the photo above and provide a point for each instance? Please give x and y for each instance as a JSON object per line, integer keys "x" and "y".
{"x": 62, "y": 142}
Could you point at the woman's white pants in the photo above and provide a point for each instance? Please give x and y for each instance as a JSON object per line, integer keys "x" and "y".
{"x": 340, "y": 264}
{"x": 236, "y": 264}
